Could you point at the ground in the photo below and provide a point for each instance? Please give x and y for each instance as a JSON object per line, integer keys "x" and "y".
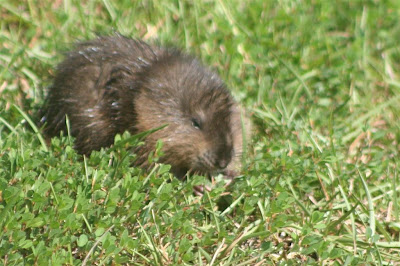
{"x": 320, "y": 179}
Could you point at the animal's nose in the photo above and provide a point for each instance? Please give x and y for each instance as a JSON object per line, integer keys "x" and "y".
{"x": 224, "y": 159}
{"x": 223, "y": 155}
{"x": 222, "y": 163}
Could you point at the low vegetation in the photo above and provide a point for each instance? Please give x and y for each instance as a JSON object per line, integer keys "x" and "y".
{"x": 320, "y": 182}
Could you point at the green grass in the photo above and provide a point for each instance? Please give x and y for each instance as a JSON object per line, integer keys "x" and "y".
{"x": 321, "y": 183}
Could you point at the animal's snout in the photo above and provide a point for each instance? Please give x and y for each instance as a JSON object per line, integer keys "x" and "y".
{"x": 223, "y": 156}
{"x": 222, "y": 163}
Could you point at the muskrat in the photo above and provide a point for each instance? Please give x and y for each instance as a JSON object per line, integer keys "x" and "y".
{"x": 114, "y": 84}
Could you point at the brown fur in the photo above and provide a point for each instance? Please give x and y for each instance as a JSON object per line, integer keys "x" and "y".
{"x": 113, "y": 84}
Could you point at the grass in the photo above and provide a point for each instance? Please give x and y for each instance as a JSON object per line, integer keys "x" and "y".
{"x": 321, "y": 182}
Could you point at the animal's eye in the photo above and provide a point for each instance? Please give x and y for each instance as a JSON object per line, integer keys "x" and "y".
{"x": 196, "y": 123}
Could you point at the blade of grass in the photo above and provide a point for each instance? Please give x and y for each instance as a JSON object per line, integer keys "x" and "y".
{"x": 33, "y": 126}
{"x": 155, "y": 253}
{"x": 348, "y": 206}
{"x": 10, "y": 127}
{"x": 302, "y": 206}
{"x": 294, "y": 72}
{"x": 370, "y": 204}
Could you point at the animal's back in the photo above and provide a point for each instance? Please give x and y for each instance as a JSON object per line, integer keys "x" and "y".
{"x": 92, "y": 85}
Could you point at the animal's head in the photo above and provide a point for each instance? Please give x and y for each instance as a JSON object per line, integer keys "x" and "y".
{"x": 195, "y": 104}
